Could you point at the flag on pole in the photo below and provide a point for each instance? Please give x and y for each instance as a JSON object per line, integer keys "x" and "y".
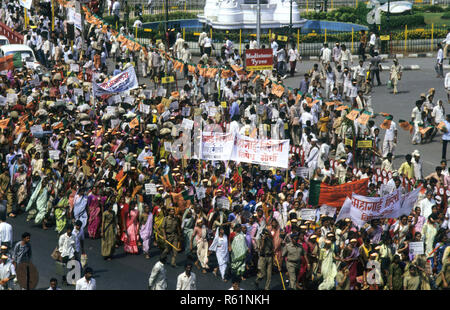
{"x": 334, "y": 196}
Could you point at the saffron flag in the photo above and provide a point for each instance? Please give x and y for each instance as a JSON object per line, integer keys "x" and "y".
{"x": 386, "y": 124}
{"x": 4, "y": 123}
{"x": 352, "y": 115}
{"x": 363, "y": 118}
{"x": 134, "y": 123}
{"x": 334, "y": 196}
{"x": 406, "y": 125}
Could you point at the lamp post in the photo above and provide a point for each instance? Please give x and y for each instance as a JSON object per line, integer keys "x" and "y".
{"x": 167, "y": 33}
{"x": 388, "y": 19}
{"x": 258, "y": 24}
{"x": 290, "y": 20}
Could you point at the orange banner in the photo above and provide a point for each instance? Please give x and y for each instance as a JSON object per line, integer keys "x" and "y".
{"x": 334, "y": 196}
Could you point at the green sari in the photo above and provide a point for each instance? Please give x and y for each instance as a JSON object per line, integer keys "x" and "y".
{"x": 238, "y": 254}
{"x": 61, "y": 214}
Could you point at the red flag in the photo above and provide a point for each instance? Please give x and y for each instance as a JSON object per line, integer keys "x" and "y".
{"x": 334, "y": 196}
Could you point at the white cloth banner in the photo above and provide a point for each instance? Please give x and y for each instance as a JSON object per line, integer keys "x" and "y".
{"x": 362, "y": 209}
{"x": 26, "y": 3}
{"x": 273, "y": 153}
{"x": 216, "y": 146}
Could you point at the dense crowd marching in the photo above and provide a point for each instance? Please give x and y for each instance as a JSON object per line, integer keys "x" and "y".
{"x": 85, "y": 173}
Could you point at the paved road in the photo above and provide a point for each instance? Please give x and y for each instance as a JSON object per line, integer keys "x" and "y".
{"x": 132, "y": 271}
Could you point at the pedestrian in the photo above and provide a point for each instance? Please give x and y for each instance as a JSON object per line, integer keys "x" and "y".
{"x": 54, "y": 285}
{"x": 293, "y": 56}
{"x": 108, "y": 231}
{"x": 158, "y": 280}
{"x": 293, "y": 253}
{"x": 236, "y": 285}
{"x": 220, "y": 246}
{"x": 395, "y": 75}
{"x": 171, "y": 231}
{"x": 439, "y": 67}
{"x": 7, "y": 273}
{"x": 238, "y": 248}
{"x": 445, "y": 136}
{"x": 375, "y": 67}
{"x": 362, "y": 45}
{"x": 187, "y": 279}
{"x": 265, "y": 259}
{"x": 146, "y": 222}
{"x": 21, "y": 252}
{"x": 6, "y": 233}
{"x": 86, "y": 283}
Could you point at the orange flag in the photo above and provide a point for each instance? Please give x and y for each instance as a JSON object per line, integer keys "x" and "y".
{"x": 352, "y": 115}
{"x": 23, "y": 118}
{"x": 297, "y": 99}
{"x": 119, "y": 175}
{"x": 4, "y": 123}
{"x": 342, "y": 107}
{"x": 386, "y": 124}
{"x": 406, "y": 126}
{"x": 150, "y": 160}
{"x": 191, "y": 69}
{"x": 6, "y": 63}
{"x": 441, "y": 125}
{"x": 330, "y": 103}
{"x": 363, "y": 118}
{"x": 277, "y": 90}
{"x": 256, "y": 78}
{"x": 250, "y": 74}
{"x": 134, "y": 123}
{"x": 424, "y": 130}
{"x": 175, "y": 94}
{"x": 266, "y": 82}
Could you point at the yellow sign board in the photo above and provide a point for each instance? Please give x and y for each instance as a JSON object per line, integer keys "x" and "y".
{"x": 312, "y": 34}
{"x": 348, "y": 142}
{"x": 418, "y": 1}
{"x": 196, "y": 33}
{"x": 420, "y": 29}
{"x": 174, "y": 7}
{"x": 167, "y": 79}
{"x": 223, "y": 104}
{"x": 364, "y": 144}
{"x": 147, "y": 30}
{"x": 384, "y": 38}
{"x": 283, "y": 38}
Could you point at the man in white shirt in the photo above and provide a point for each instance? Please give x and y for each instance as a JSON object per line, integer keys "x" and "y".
{"x": 186, "y": 280}
{"x": 86, "y": 283}
{"x": 447, "y": 86}
{"x": 157, "y": 280}
{"x": 78, "y": 234}
{"x": 7, "y": 273}
{"x": 66, "y": 245}
{"x": 313, "y": 155}
{"x": 54, "y": 285}
{"x": 439, "y": 62}
{"x": 417, "y": 165}
{"x": 6, "y": 233}
{"x": 390, "y": 138}
{"x": 416, "y": 117}
{"x": 372, "y": 42}
{"x": 326, "y": 55}
{"x": 447, "y": 42}
{"x": 438, "y": 112}
{"x": 116, "y": 13}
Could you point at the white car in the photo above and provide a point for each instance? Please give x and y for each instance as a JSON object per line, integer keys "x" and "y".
{"x": 4, "y": 40}
{"x": 26, "y": 53}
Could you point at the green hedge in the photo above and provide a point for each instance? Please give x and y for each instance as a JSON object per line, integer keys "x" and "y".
{"x": 399, "y": 22}
{"x": 430, "y": 8}
{"x": 446, "y": 15}
{"x": 156, "y": 17}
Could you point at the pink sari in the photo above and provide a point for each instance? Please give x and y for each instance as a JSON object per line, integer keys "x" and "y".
{"x": 131, "y": 236}
{"x": 94, "y": 209}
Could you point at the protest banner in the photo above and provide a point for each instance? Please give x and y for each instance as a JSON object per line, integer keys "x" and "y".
{"x": 150, "y": 189}
{"x": 308, "y": 214}
{"x": 187, "y": 124}
{"x": 54, "y": 154}
{"x": 201, "y": 192}
{"x": 121, "y": 82}
{"x": 362, "y": 209}
{"x": 223, "y": 203}
{"x": 334, "y": 196}
{"x": 327, "y": 210}
{"x": 274, "y": 153}
{"x": 416, "y": 248}
{"x": 216, "y": 146}
{"x": 302, "y": 172}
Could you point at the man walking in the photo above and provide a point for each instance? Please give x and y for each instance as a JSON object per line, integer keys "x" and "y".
{"x": 87, "y": 283}
{"x": 390, "y": 138}
{"x": 445, "y": 136}
{"x": 171, "y": 233}
{"x": 157, "y": 280}
{"x": 265, "y": 261}
{"x": 7, "y": 273}
{"x": 22, "y": 250}
{"x": 186, "y": 280}
{"x": 439, "y": 67}
{"x": 6, "y": 233}
{"x": 293, "y": 253}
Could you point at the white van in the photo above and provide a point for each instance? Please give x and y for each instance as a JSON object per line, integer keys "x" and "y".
{"x": 4, "y": 40}
{"x": 26, "y": 54}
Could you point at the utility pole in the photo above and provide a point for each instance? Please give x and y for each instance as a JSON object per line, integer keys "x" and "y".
{"x": 290, "y": 21}
{"x": 258, "y": 24}
{"x": 388, "y": 19}
{"x": 167, "y": 33}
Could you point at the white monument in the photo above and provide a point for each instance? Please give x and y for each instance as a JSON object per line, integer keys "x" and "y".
{"x": 237, "y": 14}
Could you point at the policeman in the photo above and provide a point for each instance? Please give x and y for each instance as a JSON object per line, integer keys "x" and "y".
{"x": 172, "y": 233}
{"x": 293, "y": 253}
{"x": 7, "y": 273}
{"x": 265, "y": 260}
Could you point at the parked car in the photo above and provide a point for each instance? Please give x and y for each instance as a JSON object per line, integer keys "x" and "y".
{"x": 26, "y": 53}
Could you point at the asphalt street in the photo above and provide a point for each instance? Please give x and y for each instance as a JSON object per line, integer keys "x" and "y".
{"x": 131, "y": 272}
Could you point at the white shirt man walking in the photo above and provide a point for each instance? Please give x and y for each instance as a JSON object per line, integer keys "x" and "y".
{"x": 157, "y": 280}
{"x": 186, "y": 280}
{"x": 6, "y": 233}
{"x": 86, "y": 283}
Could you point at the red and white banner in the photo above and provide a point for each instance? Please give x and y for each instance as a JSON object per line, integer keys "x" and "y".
{"x": 362, "y": 209}
{"x": 272, "y": 153}
{"x": 259, "y": 59}
{"x": 217, "y": 146}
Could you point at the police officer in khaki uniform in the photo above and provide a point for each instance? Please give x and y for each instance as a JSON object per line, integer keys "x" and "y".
{"x": 293, "y": 252}
{"x": 172, "y": 233}
{"x": 265, "y": 261}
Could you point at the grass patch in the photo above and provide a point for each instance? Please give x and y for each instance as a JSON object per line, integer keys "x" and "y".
{"x": 435, "y": 18}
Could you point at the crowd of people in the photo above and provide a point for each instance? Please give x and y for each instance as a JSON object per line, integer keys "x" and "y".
{"x": 85, "y": 173}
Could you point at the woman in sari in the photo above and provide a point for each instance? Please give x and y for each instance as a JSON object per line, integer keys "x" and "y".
{"x": 20, "y": 182}
{"x": 79, "y": 208}
{"x": 351, "y": 257}
{"x": 274, "y": 229}
{"x": 238, "y": 252}
{"x": 146, "y": 222}
{"x": 220, "y": 246}
{"x": 61, "y": 209}
{"x": 108, "y": 232}
{"x": 187, "y": 225}
{"x": 37, "y": 205}
{"x": 94, "y": 203}
{"x": 328, "y": 267}
{"x": 202, "y": 245}
{"x": 130, "y": 233}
